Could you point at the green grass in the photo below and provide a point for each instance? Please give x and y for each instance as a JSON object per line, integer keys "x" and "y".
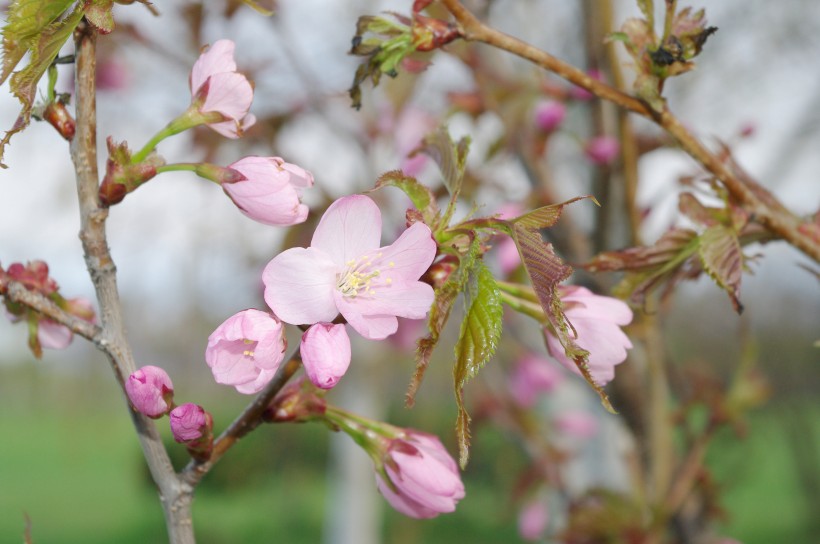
{"x": 69, "y": 459}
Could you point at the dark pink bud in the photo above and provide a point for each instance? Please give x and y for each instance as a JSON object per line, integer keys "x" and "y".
{"x": 190, "y": 422}
{"x": 150, "y": 391}
{"x": 549, "y": 115}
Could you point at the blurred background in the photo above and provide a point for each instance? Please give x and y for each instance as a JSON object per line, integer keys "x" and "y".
{"x": 187, "y": 260}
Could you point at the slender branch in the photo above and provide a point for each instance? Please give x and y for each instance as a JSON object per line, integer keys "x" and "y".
{"x": 175, "y": 497}
{"x": 774, "y": 217}
{"x": 17, "y": 292}
{"x": 248, "y": 420}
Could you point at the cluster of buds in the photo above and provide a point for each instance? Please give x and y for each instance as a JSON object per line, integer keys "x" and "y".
{"x": 43, "y": 331}
{"x": 151, "y": 393}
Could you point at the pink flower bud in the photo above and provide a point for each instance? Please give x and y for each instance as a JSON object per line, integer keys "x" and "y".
{"x": 150, "y": 391}
{"x": 422, "y": 479}
{"x": 549, "y": 115}
{"x": 217, "y": 87}
{"x": 533, "y": 376}
{"x": 246, "y": 350}
{"x": 533, "y": 520}
{"x": 190, "y": 422}
{"x": 325, "y": 353}
{"x": 270, "y": 191}
{"x": 34, "y": 275}
{"x": 602, "y": 150}
{"x": 597, "y": 320}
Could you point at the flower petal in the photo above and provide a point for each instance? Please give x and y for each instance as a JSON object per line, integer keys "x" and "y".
{"x": 411, "y": 254}
{"x": 350, "y": 227}
{"x": 217, "y": 58}
{"x": 299, "y": 286}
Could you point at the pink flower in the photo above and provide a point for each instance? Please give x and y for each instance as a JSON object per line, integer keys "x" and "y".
{"x": 422, "y": 479}
{"x": 246, "y": 350}
{"x": 150, "y": 391}
{"x": 216, "y": 86}
{"x": 531, "y": 377}
{"x": 602, "y": 150}
{"x": 412, "y": 125}
{"x": 325, "y": 353}
{"x": 577, "y": 424}
{"x": 597, "y": 320}
{"x": 549, "y": 115}
{"x": 345, "y": 271}
{"x": 271, "y": 190}
{"x": 190, "y": 422}
{"x": 533, "y": 520}
{"x": 52, "y": 335}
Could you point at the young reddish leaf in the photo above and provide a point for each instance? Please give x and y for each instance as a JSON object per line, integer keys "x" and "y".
{"x": 546, "y": 216}
{"x": 477, "y": 342}
{"x": 692, "y": 208}
{"x": 721, "y": 257}
{"x": 420, "y": 195}
{"x": 546, "y": 270}
{"x": 452, "y": 161}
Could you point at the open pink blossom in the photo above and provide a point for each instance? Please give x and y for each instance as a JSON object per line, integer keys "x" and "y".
{"x": 271, "y": 191}
{"x": 150, "y": 391}
{"x": 576, "y": 423}
{"x": 216, "y": 86}
{"x": 246, "y": 350}
{"x": 423, "y": 478}
{"x": 597, "y": 320}
{"x": 325, "y": 353}
{"x": 345, "y": 271}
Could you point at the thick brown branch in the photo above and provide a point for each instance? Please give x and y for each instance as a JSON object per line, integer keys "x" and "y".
{"x": 174, "y": 495}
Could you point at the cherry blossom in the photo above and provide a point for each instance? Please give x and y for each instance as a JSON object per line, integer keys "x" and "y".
{"x": 597, "y": 321}
{"x": 345, "y": 271}
{"x": 422, "y": 478}
{"x": 216, "y": 86}
{"x": 326, "y": 354}
{"x": 150, "y": 391}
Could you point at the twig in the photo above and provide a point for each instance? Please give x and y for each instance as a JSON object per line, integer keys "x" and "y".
{"x": 248, "y": 420}
{"x": 174, "y": 496}
{"x": 776, "y": 218}
{"x": 17, "y": 292}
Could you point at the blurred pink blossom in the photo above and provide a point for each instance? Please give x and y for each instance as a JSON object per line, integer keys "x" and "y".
{"x": 52, "y": 335}
{"x": 112, "y": 75}
{"x": 532, "y": 376}
{"x": 325, "y": 353}
{"x": 602, "y": 150}
{"x": 597, "y": 320}
{"x": 271, "y": 191}
{"x": 216, "y": 86}
{"x": 581, "y": 94}
{"x": 150, "y": 391}
{"x": 549, "y": 115}
{"x": 411, "y": 127}
{"x": 533, "y": 520}
{"x": 422, "y": 479}
{"x": 577, "y": 424}
{"x": 246, "y": 350}
{"x": 345, "y": 271}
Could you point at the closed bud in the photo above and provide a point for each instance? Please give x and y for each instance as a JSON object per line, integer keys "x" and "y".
{"x": 325, "y": 353}
{"x": 150, "y": 391}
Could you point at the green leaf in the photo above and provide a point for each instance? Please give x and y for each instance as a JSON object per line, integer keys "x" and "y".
{"x": 99, "y": 14}
{"x": 445, "y": 296}
{"x": 477, "y": 342}
{"x": 420, "y": 195}
{"x": 720, "y": 254}
{"x": 44, "y": 47}
{"x": 25, "y": 20}
{"x": 546, "y": 270}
